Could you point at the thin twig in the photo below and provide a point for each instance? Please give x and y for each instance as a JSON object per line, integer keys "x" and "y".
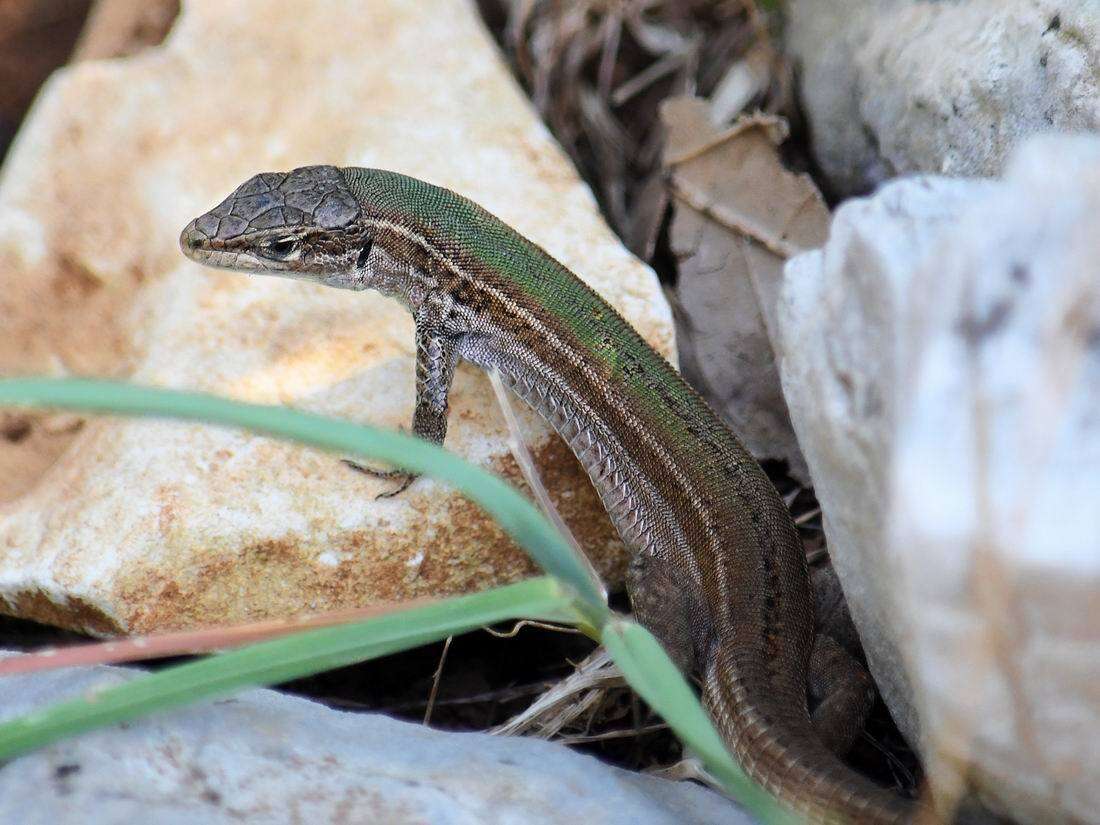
{"x": 508, "y": 634}
{"x": 809, "y": 514}
{"x": 435, "y": 680}
{"x": 527, "y": 466}
{"x": 625, "y": 733}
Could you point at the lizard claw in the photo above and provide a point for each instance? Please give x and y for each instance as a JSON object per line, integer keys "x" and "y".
{"x": 404, "y": 479}
{"x": 364, "y": 469}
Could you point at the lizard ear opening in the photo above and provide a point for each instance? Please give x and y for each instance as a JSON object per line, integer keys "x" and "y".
{"x": 364, "y": 253}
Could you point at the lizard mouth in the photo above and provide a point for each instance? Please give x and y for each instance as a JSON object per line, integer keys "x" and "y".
{"x": 197, "y": 245}
{"x": 202, "y": 249}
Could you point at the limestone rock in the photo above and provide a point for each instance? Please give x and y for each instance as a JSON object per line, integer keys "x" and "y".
{"x": 897, "y": 86}
{"x": 116, "y": 526}
{"x": 269, "y": 758}
{"x": 941, "y": 358}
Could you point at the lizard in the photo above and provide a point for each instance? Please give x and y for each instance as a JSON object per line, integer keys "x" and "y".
{"x": 717, "y": 573}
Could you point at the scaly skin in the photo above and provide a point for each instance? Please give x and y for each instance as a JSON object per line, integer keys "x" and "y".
{"x": 718, "y": 572}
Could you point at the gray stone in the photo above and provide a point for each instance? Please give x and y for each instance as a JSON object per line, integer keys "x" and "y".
{"x": 263, "y": 757}
{"x": 896, "y": 86}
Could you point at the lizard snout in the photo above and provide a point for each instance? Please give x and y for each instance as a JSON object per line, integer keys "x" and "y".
{"x": 191, "y": 239}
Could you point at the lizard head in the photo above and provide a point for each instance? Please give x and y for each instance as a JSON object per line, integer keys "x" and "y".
{"x": 304, "y": 224}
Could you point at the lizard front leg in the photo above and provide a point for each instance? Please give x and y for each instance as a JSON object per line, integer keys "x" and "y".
{"x": 436, "y": 358}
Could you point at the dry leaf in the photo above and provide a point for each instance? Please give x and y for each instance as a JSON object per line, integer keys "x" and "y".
{"x": 738, "y": 215}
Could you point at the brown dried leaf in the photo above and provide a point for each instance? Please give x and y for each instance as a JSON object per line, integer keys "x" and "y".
{"x": 739, "y": 214}
{"x": 597, "y": 72}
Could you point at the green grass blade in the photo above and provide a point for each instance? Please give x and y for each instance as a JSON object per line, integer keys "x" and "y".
{"x": 657, "y": 680}
{"x": 515, "y": 514}
{"x": 571, "y": 596}
{"x": 290, "y": 657}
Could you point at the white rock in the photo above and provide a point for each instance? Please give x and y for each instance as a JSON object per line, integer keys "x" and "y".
{"x": 263, "y": 757}
{"x": 941, "y": 357}
{"x": 142, "y": 526}
{"x": 842, "y": 307}
{"x": 896, "y": 86}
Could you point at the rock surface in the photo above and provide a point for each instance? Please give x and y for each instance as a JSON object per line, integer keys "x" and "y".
{"x": 907, "y": 86}
{"x": 268, "y": 758}
{"x": 941, "y": 357}
{"x": 115, "y": 526}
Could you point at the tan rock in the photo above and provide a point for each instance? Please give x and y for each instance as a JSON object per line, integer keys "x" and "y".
{"x": 144, "y": 525}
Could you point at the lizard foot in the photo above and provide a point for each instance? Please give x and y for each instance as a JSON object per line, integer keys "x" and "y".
{"x": 403, "y": 478}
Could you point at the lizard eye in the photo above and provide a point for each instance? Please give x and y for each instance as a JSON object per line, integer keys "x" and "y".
{"x": 280, "y": 249}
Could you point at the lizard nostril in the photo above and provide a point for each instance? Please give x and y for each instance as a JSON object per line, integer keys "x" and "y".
{"x": 190, "y": 238}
